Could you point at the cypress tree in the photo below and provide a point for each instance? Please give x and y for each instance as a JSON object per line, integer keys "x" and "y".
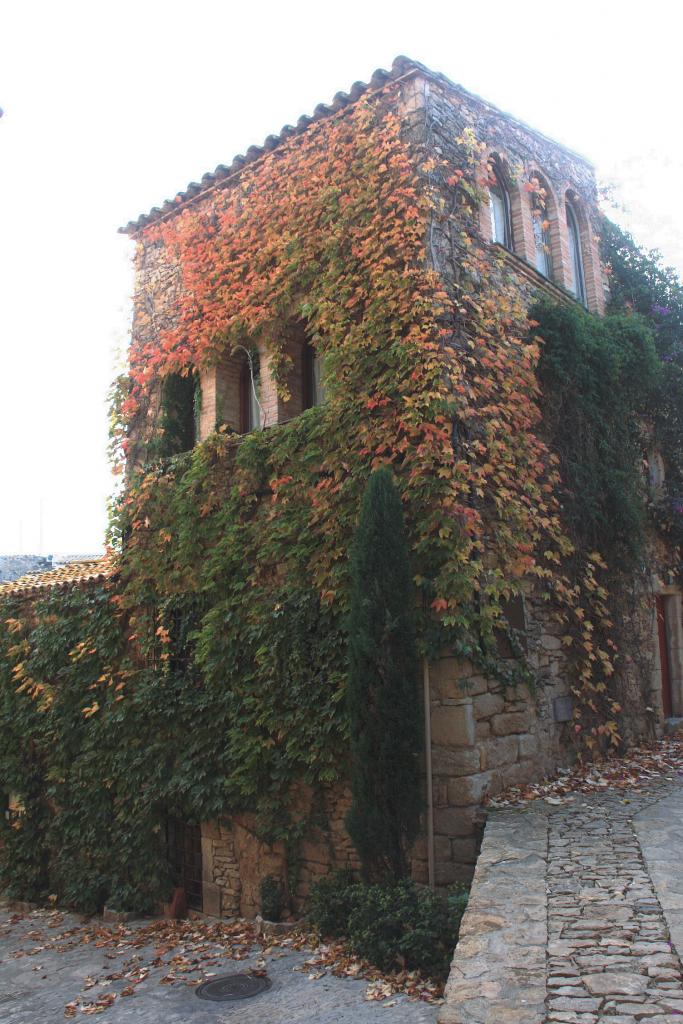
{"x": 382, "y": 697}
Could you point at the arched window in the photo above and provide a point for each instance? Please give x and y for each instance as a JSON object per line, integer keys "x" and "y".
{"x": 314, "y": 377}
{"x": 656, "y": 473}
{"x": 499, "y": 207}
{"x": 577, "y": 283}
{"x": 541, "y": 224}
{"x": 250, "y": 393}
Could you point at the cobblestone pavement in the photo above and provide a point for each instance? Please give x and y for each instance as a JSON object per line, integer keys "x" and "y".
{"x": 36, "y": 986}
{"x": 576, "y": 917}
{"x": 610, "y": 955}
{"x": 576, "y": 914}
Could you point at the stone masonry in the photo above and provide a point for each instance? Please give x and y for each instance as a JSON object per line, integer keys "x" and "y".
{"x": 576, "y": 914}
{"x": 487, "y": 736}
{"x": 235, "y": 859}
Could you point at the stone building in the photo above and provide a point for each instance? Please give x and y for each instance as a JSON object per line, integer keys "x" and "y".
{"x": 539, "y": 218}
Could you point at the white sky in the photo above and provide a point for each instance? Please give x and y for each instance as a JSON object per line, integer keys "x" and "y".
{"x": 110, "y": 109}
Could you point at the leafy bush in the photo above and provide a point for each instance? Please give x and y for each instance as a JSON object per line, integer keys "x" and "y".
{"x": 332, "y": 901}
{"x": 271, "y": 898}
{"x": 393, "y": 926}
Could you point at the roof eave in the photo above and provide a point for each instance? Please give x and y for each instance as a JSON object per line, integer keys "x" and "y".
{"x": 401, "y": 68}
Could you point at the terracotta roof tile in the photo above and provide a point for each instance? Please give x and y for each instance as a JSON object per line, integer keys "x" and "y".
{"x": 400, "y": 67}
{"x": 92, "y": 570}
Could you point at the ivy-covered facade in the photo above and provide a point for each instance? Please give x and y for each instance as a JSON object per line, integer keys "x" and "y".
{"x": 409, "y": 279}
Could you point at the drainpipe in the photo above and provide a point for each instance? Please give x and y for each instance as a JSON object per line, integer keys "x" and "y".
{"x": 428, "y": 766}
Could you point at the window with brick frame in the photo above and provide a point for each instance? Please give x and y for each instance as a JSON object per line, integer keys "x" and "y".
{"x": 577, "y": 281}
{"x": 250, "y": 393}
{"x": 180, "y": 409}
{"x": 499, "y": 205}
{"x": 305, "y": 376}
{"x": 541, "y": 225}
{"x": 313, "y": 376}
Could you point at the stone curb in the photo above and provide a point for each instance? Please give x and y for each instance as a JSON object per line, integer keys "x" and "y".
{"x": 498, "y": 973}
{"x": 659, "y": 828}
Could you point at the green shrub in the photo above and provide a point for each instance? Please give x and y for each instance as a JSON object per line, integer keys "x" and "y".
{"x": 332, "y": 901}
{"x": 272, "y": 898}
{"x": 392, "y": 926}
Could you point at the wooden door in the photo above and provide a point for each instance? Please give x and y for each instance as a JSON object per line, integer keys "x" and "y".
{"x": 664, "y": 659}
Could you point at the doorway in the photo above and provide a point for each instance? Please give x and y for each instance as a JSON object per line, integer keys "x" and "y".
{"x": 184, "y": 852}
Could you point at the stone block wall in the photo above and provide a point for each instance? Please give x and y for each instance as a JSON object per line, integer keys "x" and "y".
{"x": 221, "y": 882}
{"x": 235, "y": 860}
{"x": 486, "y": 737}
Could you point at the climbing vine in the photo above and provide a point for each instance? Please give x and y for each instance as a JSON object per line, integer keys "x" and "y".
{"x": 598, "y": 376}
{"x": 82, "y": 764}
{"x": 641, "y": 284}
{"x": 212, "y": 676}
{"x": 409, "y": 366}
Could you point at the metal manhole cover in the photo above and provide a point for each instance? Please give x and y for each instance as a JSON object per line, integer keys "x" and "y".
{"x": 232, "y": 986}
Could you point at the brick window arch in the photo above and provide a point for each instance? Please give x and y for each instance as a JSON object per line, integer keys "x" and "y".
{"x": 542, "y": 216}
{"x": 313, "y": 370}
{"x": 577, "y": 277}
{"x": 251, "y": 412}
{"x": 593, "y": 279}
{"x": 500, "y": 206}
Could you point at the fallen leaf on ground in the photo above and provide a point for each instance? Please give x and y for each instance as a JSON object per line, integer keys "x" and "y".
{"x": 629, "y": 772}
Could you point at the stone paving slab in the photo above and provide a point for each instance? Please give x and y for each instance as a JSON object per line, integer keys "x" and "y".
{"x": 35, "y": 989}
{"x": 660, "y": 832}
{"x": 498, "y": 972}
{"x": 607, "y": 870}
